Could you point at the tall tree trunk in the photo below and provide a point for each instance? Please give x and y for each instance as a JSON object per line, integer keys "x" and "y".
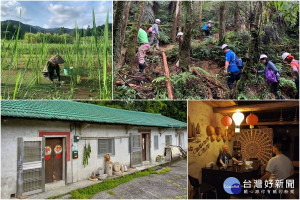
{"x": 132, "y": 45}
{"x": 179, "y": 18}
{"x": 174, "y": 26}
{"x": 254, "y": 18}
{"x": 125, "y": 20}
{"x": 200, "y": 13}
{"x": 118, "y": 21}
{"x": 255, "y": 11}
{"x": 236, "y": 17}
{"x": 185, "y": 57}
{"x": 155, "y": 7}
{"x": 222, "y": 23}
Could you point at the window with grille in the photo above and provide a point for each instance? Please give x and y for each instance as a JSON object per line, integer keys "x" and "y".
{"x": 168, "y": 140}
{"x": 106, "y": 146}
{"x": 156, "y": 142}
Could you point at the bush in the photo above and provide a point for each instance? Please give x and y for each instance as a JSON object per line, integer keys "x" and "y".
{"x": 47, "y": 37}
{"x": 288, "y": 87}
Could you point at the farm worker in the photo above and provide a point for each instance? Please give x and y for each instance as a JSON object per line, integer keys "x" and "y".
{"x": 287, "y": 57}
{"x": 145, "y": 46}
{"x": 206, "y": 28}
{"x": 231, "y": 67}
{"x": 271, "y": 75}
{"x": 52, "y": 65}
{"x": 155, "y": 33}
{"x": 180, "y": 40}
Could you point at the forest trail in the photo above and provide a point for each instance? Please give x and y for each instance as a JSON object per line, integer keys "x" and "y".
{"x": 209, "y": 73}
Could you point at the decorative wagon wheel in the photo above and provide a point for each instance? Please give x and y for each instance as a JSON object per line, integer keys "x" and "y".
{"x": 258, "y": 145}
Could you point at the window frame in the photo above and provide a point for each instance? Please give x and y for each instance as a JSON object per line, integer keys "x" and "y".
{"x": 170, "y": 136}
{"x": 113, "y": 147}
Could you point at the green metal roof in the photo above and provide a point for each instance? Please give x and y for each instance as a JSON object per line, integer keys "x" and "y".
{"x": 77, "y": 111}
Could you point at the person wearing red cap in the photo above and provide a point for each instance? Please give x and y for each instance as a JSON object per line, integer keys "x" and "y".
{"x": 287, "y": 57}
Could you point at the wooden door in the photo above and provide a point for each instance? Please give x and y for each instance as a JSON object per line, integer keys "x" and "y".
{"x": 53, "y": 159}
{"x": 144, "y": 147}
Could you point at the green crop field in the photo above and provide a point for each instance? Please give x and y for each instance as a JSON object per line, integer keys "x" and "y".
{"x": 22, "y": 62}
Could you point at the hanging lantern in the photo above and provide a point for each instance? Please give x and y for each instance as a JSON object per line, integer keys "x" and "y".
{"x": 252, "y": 120}
{"x": 238, "y": 117}
{"x": 226, "y": 121}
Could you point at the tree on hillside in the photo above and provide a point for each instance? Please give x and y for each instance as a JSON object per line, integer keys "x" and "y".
{"x": 236, "y": 14}
{"x": 175, "y": 20}
{"x": 62, "y": 30}
{"x": 185, "y": 57}
{"x": 132, "y": 45}
{"x": 88, "y": 31}
{"x": 255, "y": 13}
{"x": 222, "y": 22}
{"x": 117, "y": 28}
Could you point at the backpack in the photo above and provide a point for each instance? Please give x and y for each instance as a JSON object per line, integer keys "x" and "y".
{"x": 150, "y": 30}
{"x": 204, "y": 27}
{"x": 239, "y": 63}
{"x": 270, "y": 75}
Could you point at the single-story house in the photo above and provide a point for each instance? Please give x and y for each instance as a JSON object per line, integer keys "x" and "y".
{"x": 43, "y": 141}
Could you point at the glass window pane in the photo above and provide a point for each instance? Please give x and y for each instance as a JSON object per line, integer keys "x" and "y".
{"x": 156, "y": 142}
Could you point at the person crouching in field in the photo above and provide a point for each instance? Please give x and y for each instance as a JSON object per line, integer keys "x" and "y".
{"x": 52, "y": 66}
{"x": 145, "y": 46}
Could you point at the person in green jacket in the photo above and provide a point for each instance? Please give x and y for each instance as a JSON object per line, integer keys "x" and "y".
{"x": 144, "y": 47}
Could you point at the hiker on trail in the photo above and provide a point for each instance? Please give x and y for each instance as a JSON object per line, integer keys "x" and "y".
{"x": 287, "y": 57}
{"x": 271, "y": 75}
{"x": 180, "y": 40}
{"x": 231, "y": 67}
{"x": 155, "y": 34}
{"x": 145, "y": 46}
{"x": 206, "y": 28}
{"x": 51, "y": 66}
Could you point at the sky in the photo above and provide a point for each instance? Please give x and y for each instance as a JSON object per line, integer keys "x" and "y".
{"x": 55, "y": 14}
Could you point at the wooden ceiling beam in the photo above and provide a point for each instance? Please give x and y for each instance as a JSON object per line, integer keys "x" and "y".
{"x": 274, "y": 123}
{"x": 257, "y": 107}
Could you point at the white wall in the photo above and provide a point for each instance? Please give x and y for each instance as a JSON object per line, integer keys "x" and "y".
{"x": 11, "y": 129}
{"x": 92, "y": 134}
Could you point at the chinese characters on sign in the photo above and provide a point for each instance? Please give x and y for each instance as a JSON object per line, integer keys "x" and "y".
{"x": 278, "y": 186}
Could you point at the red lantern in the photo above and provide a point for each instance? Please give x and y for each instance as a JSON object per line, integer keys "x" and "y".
{"x": 252, "y": 120}
{"x": 226, "y": 121}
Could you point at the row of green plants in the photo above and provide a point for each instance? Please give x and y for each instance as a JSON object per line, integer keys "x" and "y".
{"x": 88, "y": 192}
{"x": 47, "y": 37}
{"x": 89, "y": 56}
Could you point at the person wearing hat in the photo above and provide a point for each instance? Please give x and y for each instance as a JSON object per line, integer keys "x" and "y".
{"x": 273, "y": 82}
{"x": 287, "y": 57}
{"x": 155, "y": 33}
{"x": 52, "y": 65}
{"x": 206, "y": 28}
{"x": 144, "y": 47}
{"x": 231, "y": 67}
